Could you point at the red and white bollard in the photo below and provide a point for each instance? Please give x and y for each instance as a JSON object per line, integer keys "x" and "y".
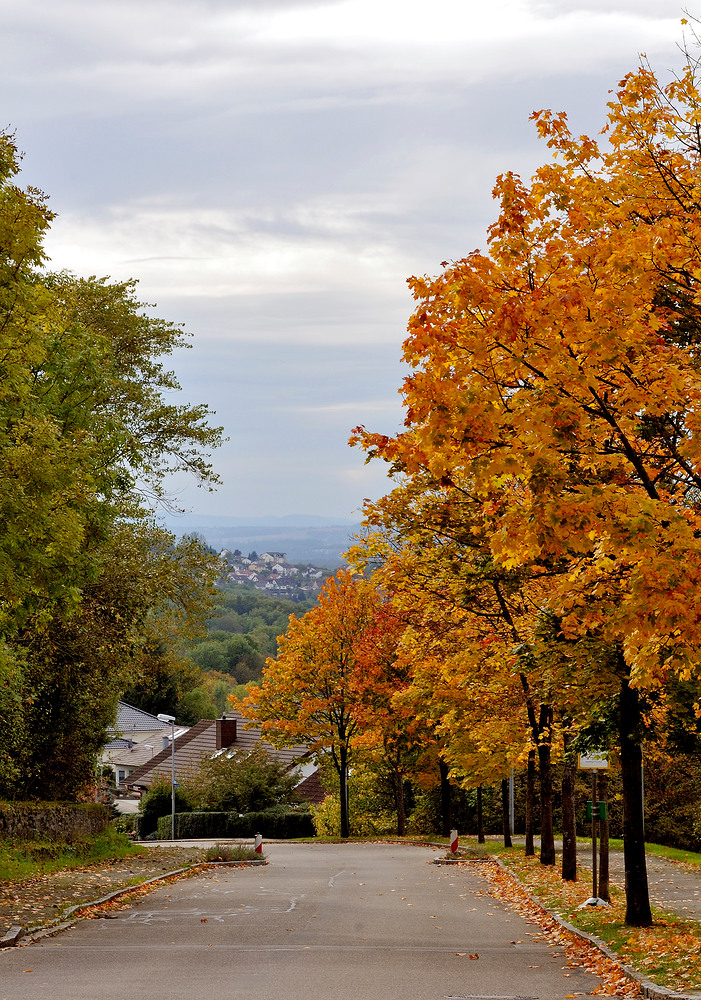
{"x": 258, "y": 847}
{"x": 453, "y": 841}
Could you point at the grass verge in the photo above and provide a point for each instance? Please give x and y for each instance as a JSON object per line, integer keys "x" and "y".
{"x": 232, "y": 852}
{"x": 24, "y": 860}
{"x": 668, "y": 953}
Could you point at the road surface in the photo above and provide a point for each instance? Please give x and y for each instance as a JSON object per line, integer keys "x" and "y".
{"x": 320, "y": 922}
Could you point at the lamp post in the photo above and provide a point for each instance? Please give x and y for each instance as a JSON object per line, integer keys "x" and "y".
{"x": 171, "y": 720}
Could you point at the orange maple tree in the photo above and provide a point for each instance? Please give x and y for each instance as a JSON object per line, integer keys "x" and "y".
{"x": 555, "y": 382}
{"x": 311, "y": 693}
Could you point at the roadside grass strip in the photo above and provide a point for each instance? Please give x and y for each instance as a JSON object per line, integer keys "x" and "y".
{"x": 667, "y": 954}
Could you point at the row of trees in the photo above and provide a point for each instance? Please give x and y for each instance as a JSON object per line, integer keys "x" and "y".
{"x": 94, "y": 595}
{"x": 538, "y": 563}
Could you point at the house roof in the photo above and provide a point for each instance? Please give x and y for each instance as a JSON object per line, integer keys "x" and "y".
{"x": 201, "y": 742}
{"x": 311, "y": 789}
{"x": 130, "y": 719}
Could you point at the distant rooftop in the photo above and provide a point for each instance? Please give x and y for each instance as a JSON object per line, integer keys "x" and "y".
{"x": 134, "y": 720}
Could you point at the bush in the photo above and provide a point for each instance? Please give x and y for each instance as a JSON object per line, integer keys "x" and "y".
{"x": 155, "y": 803}
{"x": 327, "y": 817}
{"x": 204, "y": 825}
{"x": 124, "y": 823}
{"x": 244, "y": 782}
{"x": 363, "y": 823}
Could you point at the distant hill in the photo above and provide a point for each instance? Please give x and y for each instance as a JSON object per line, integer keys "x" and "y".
{"x": 316, "y": 540}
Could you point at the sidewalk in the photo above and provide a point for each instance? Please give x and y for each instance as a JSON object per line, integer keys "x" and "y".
{"x": 673, "y": 886}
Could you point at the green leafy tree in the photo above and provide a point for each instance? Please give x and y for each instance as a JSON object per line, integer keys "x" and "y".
{"x": 87, "y": 440}
{"x": 244, "y": 781}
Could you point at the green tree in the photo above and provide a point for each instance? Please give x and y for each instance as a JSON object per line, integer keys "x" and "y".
{"x": 87, "y": 440}
{"x": 245, "y": 781}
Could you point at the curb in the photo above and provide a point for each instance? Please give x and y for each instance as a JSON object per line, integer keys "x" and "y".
{"x": 70, "y": 916}
{"x": 647, "y": 988}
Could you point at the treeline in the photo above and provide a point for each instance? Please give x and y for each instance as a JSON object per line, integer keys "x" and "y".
{"x": 95, "y": 598}
{"x": 241, "y": 634}
{"x": 533, "y": 580}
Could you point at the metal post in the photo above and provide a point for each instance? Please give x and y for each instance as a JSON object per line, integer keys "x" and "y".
{"x": 594, "y": 816}
{"x": 172, "y": 780}
{"x": 162, "y": 717}
{"x": 512, "y": 806}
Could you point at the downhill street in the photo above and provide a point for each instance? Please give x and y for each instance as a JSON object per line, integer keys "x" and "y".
{"x": 335, "y": 922}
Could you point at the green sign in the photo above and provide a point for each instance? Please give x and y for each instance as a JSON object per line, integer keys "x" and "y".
{"x": 600, "y": 811}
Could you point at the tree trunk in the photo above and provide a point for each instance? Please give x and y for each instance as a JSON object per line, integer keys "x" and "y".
{"x": 547, "y": 835}
{"x": 505, "y": 812}
{"x": 604, "y": 888}
{"x": 480, "y": 817}
{"x": 399, "y": 801}
{"x": 343, "y": 790}
{"x": 569, "y": 831}
{"x": 446, "y": 816}
{"x": 638, "y": 912}
{"x": 530, "y": 803}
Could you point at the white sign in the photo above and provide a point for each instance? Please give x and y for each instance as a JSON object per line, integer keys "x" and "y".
{"x": 593, "y": 762}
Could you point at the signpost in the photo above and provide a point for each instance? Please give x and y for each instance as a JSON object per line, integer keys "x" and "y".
{"x": 595, "y": 810}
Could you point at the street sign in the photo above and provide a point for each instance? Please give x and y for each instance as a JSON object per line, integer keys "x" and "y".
{"x": 593, "y": 762}
{"x": 600, "y": 811}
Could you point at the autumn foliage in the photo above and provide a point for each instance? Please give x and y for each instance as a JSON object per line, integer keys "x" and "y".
{"x": 550, "y": 461}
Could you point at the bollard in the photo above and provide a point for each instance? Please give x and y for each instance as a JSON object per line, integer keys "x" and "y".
{"x": 259, "y": 843}
{"x": 453, "y": 841}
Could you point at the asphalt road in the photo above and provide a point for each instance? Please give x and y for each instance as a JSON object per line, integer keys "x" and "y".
{"x": 320, "y": 922}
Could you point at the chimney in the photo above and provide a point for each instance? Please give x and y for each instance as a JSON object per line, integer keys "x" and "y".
{"x": 165, "y": 742}
{"x": 226, "y": 732}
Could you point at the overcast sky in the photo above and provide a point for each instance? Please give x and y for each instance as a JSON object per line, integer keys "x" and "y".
{"x": 272, "y": 171}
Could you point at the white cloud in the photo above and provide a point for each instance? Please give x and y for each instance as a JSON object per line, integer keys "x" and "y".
{"x": 212, "y": 252}
{"x": 359, "y": 409}
{"x": 248, "y": 58}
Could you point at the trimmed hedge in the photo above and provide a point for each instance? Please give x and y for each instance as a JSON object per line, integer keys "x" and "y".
{"x": 204, "y": 825}
{"x": 61, "y": 821}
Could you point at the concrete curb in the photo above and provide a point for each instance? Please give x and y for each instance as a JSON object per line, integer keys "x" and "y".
{"x": 70, "y": 916}
{"x": 12, "y": 936}
{"x": 647, "y": 988}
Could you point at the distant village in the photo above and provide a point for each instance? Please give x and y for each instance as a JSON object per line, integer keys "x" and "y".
{"x": 271, "y": 573}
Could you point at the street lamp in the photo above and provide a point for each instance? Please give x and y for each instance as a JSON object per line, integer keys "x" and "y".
{"x": 171, "y": 720}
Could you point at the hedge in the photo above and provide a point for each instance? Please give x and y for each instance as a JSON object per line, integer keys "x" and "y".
{"x": 61, "y": 821}
{"x": 205, "y": 825}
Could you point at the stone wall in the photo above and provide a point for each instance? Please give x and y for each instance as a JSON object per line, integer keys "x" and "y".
{"x": 63, "y": 821}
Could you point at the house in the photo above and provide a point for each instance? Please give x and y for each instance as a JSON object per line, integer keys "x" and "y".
{"x": 211, "y": 737}
{"x": 273, "y": 557}
{"x": 135, "y": 739}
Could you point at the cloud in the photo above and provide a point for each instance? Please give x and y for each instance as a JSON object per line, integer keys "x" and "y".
{"x": 273, "y": 170}
{"x": 354, "y": 407}
{"x": 259, "y": 58}
{"x": 210, "y": 252}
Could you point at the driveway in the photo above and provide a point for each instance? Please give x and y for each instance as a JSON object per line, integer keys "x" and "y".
{"x": 334, "y": 922}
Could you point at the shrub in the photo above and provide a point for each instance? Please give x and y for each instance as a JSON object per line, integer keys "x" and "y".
{"x": 272, "y": 824}
{"x": 327, "y": 817}
{"x": 243, "y": 782}
{"x": 156, "y": 802}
